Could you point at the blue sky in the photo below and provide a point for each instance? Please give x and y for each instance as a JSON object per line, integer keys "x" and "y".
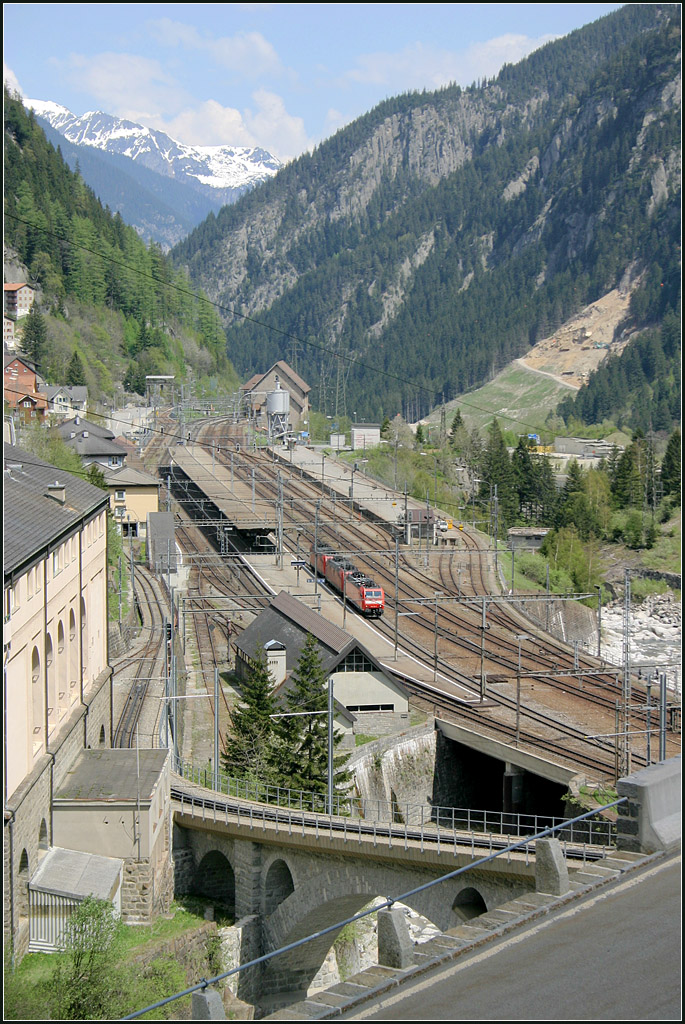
{"x": 281, "y": 76}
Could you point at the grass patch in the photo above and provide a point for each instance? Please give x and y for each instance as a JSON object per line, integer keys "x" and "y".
{"x": 30, "y": 989}
{"x": 361, "y": 738}
{"x": 601, "y": 794}
{"x": 641, "y": 588}
{"x": 516, "y": 396}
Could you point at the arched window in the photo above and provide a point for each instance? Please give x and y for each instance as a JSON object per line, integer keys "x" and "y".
{"x": 73, "y": 658}
{"x": 23, "y": 886}
{"x": 37, "y": 695}
{"x": 52, "y": 687}
{"x": 84, "y": 638}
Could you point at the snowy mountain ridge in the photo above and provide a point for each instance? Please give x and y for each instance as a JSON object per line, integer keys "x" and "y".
{"x": 204, "y": 167}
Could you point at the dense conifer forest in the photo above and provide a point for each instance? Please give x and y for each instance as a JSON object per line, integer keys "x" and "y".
{"x": 83, "y": 258}
{"x": 441, "y": 235}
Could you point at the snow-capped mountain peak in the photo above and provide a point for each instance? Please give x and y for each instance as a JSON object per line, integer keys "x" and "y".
{"x": 206, "y": 167}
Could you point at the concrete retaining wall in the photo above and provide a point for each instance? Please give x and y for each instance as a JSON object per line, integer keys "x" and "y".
{"x": 651, "y": 819}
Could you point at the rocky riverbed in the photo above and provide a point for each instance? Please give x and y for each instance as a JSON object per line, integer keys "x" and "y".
{"x": 655, "y": 635}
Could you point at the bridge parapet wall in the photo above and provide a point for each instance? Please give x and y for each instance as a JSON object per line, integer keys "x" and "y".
{"x": 289, "y": 890}
{"x": 651, "y": 819}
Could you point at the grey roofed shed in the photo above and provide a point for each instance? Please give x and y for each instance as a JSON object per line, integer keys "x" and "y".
{"x": 63, "y": 880}
{"x": 288, "y": 621}
{"x": 112, "y": 774}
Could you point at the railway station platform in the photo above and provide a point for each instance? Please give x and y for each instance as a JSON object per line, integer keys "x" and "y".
{"x": 230, "y": 488}
{"x": 302, "y": 585}
{"x": 363, "y": 492}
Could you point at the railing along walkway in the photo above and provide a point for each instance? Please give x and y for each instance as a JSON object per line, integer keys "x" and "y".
{"x": 353, "y": 819}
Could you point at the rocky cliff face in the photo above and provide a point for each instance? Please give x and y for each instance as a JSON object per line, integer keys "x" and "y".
{"x": 368, "y": 242}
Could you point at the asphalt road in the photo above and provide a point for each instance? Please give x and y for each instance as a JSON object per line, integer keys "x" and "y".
{"x": 613, "y": 956}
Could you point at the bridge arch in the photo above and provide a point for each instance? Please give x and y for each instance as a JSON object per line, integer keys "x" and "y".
{"x": 215, "y": 879}
{"x": 278, "y": 885}
{"x": 329, "y": 892}
{"x": 468, "y": 903}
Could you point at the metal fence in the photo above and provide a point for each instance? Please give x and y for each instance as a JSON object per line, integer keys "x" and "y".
{"x": 391, "y": 813}
{"x": 49, "y": 915}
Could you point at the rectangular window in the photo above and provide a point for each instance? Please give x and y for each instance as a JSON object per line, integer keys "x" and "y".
{"x": 370, "y": 707}
{"x": 120, "y": 495}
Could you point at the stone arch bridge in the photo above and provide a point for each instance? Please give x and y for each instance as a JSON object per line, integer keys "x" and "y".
{"x": 285, "y": 879}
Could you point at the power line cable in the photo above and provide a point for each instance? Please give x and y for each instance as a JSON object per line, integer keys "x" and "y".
{"x": 336, "y": 353}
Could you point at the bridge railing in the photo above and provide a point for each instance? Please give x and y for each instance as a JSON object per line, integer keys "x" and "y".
{"x": 593, "y": 831}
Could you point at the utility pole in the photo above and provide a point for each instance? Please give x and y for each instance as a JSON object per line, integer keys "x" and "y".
{"x": 662, "y": 716}
{"x": 482, "y": 651}
{"x": 599, "y": 620}
{"x": 216, "y": 728}
{"x": 120, "y": 585}
{"x": 496, "y": 526}
{"x": 280, "y": 520}
{"x": 438, "y": 594}
{"x": 626, "y": 675}
{"x": 407, "y": 524}
{"x": 522, "y": 636}
{"x": 397, "y": 587}
{"x": 330, "y": 744}
{"x": 316, "y": 536}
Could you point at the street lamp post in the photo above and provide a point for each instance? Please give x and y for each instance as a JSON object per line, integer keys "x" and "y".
{"x": 438, "y": 593}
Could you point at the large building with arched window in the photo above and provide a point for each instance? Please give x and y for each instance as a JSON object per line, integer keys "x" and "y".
{"x": 57, "y": 691}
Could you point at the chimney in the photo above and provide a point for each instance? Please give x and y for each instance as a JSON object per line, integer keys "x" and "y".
{"x": 275, "y": 660}
{"x": 58, "y": 492}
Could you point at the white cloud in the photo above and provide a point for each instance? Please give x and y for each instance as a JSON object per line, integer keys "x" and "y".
{"x": 268, "y": 125}
{"x": 125, "y": 84}
{"x": 486, "y": 59}
{"x": 10, "y": 80}
{"x": 208, "y": 124}
{"x": 420, "y": 66}
{"x": 333, "y": 121}
{"x": 246, "y": 53}
{"x": 274, "y": 128}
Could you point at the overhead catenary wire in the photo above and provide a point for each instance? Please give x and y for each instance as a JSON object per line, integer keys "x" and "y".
{"x": 326, "y": 349}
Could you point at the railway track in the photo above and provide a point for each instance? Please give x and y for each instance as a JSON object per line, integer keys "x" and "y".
{"x": 148, "y": 664}
{"x": 216, "y": 809}
{"x": 551, "y": 673}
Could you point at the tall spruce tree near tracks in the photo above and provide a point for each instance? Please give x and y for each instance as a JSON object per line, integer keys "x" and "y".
{"x": 306, "y": 735}
{"x": 253, "y": 748}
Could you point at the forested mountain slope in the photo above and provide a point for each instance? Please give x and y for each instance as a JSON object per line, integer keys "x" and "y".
{"x": 81, "y": 257}
{"x": 442, "y": 234}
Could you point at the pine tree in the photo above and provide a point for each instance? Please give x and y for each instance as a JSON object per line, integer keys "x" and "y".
{"x": 670, "y": 467}
{"x": 306, "y": 736}
{"x": 76, "y": 374}
{"x": 34, "y": 337}
{"x": 252, "y": 749}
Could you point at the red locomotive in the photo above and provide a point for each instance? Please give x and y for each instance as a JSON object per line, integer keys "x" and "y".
{"x": 344, "y": 576}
